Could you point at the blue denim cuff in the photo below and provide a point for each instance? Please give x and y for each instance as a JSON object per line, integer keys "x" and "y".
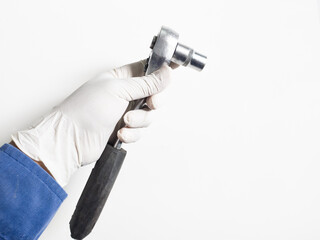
{"x": 29, "y": 196}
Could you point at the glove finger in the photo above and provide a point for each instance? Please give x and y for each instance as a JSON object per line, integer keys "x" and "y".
{"x": 129, "y": 135}
{"x": 142, "y": 87}
{"x": 138, "y": 118}
{"x": 157, "y": 100}
{"x": 135, "y": 69}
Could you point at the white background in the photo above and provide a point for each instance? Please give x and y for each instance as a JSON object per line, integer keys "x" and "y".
{"x": 235, "y": 154}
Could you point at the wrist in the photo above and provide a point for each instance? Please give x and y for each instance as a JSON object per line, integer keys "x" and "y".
{"x": 41, "y": 164}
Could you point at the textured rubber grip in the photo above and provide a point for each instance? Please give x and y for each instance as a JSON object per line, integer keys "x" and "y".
{"x": 96, "y": 192}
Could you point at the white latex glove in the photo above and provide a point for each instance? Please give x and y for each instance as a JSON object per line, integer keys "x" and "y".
{"x": 75, "y": 132}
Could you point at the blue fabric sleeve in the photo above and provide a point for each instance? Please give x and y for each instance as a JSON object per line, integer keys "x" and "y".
{"x": 29, "y": 196}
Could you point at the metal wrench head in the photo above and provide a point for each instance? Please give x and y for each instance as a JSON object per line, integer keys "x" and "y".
{"x": 166, "y": 49}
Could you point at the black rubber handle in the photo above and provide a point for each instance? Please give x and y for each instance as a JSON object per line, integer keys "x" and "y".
{"x": 96, "y": 192}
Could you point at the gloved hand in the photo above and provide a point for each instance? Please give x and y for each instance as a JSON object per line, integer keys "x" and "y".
{"x": 75, "y": 132}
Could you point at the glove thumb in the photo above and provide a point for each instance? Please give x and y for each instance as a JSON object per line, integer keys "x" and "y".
{"x": 142, "y": 87}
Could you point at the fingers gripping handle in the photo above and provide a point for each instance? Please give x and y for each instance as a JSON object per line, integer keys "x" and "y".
{"x": 133, "y": 105}
{"x": 96, "y": 192}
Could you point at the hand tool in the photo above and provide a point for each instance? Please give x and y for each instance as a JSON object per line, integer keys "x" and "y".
{"x": 165, "y": 49}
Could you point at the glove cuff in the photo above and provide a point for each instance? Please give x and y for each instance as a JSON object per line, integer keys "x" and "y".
{"x": 52, "y": 141}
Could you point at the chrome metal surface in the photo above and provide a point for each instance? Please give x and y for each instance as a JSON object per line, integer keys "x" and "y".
{"x": 166, "y": 49}
{"x": 187, "y": 57}
{"x": 118, "y": 144}
{"x": 163, "y": 47}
